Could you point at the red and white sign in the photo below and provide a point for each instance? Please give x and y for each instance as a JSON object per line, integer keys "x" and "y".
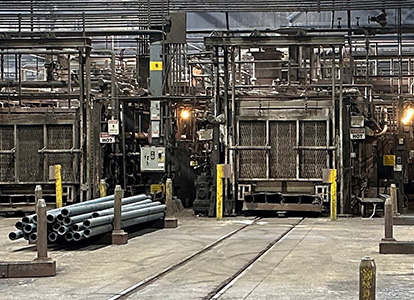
{"x": 106, "y": 138}
{"x": 113, "y": 127}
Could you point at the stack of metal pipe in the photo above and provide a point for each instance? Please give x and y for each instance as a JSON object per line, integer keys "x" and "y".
{"x": 94, "y": 217}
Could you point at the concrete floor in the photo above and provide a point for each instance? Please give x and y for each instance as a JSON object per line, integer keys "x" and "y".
{"x": 318, "y": 259}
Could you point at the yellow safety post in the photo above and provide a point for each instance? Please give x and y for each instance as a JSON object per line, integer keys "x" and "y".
{"x": 367, "y": 279}
{"x": 168, "y": 197}
{"x": 219, "y": 195}
{"x": 102, "y": 188}
{"x": 332, "y": 181}
{"x": 58, "y": 183}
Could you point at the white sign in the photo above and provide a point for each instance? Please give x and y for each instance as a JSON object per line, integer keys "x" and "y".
{"x": 155, "y": 129}
{"x": 106, "y": 138}
{"x": 357, "y": 133}
{"x": 113, "y": 127}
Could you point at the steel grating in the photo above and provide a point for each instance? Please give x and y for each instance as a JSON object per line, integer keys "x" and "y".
{"x": 282, "y": 156}
{"x": 6, "y": 160}
{"x": 61, "y": 137}
{"x": 281, "y": 162}
{"x": 30, "y": 162}
{"x": 252, "y": 163}
{"x": 313, "y": 133}
{"x": 252, "y": 133}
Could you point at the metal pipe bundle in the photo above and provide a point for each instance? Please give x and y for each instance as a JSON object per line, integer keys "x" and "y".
{"x": 80, "y": 221}
{"x": 139, "y": 211}
{"x": 126, "y": 207}
{"x": 71, "y": 211}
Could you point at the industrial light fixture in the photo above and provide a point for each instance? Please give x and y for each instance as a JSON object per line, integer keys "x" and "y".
{"x": 408, "y": 115}
{"x": 185, "y": 114}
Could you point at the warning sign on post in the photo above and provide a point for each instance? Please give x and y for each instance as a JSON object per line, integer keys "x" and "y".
{"x": 156, "y": 66}
{"x": 357, "y": 133}
{"x": 113, "y": 127}
{"x": 106, "y": 138}
{"x": 389, "y": 160}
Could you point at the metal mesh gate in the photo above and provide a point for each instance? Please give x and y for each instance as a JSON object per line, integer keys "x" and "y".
{"x": 282, "y": 156}
{"x": 24, "y": 156}
{"x": 313, "y": 133}
{"x": 283, "y": 160}
{"x": 30, "y": 163}
{"x": 252, "y": 163}
{"x": 61, "y": 137}
{"x": 6, "y": 159}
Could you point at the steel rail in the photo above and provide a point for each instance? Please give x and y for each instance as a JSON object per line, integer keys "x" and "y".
{"x": 221, "y": 288}
{"x": 132, "y": 289}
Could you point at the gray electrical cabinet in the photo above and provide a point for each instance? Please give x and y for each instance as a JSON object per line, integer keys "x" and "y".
{"x": 153, "y": 159}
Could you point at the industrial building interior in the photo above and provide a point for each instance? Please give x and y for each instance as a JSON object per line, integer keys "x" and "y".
{"x": 296, "y": 114}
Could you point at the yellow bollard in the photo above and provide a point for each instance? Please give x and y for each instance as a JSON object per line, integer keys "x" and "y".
{"x": 59, "y": 192}
{"x": 332, "y": 181}
{"x": 168, "y": 197}
{"x": 219, "y": 195}
{"x": 367, "y": 279}
{"x": 102, "y": 188}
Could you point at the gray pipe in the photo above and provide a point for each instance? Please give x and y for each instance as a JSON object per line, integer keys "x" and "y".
{"x": 69, "y": 236}
{"x": 140, "y": 220}
{"x": 51, "y": 217}
{"x": 143, "y": 212}
{"x": 137, "y": 212}
{"x": 77, "y": 236}
{"x": 77, "y": 227}
{"x": 14, "y": 235}
{"x": 29, "y": 228}
{"x": 28, "y": 219}
{"x": 70, "y": 211}
{"x": 19, "y": 225}
{"x": 110, "y": 211}
{"x": 33, "y": 237}
{"x": 56, "y": 226}
{"x": 97, "y": 230}
{"x": 63, "y": 230}
{"x": 60, "y": 218}
{"x": 76, "y": 219}
{"x": 52, "y": 237}
{"x": 51, "y": 214}
{"x": 126, "y": 208}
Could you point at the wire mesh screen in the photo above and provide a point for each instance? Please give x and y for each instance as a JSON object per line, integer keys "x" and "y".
{"x": 6, "y": 160}
{"x": 313, "y": 133}
{"x": 30, "y": 162}
{"x": 282, "y": 154}
{"x": 252, "y": 134}
{"x": 252, "y": 163}
{"x": 61, "y": 137}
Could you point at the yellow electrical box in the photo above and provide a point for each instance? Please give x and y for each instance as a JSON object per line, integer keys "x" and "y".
{"x": 156, "y": 66}
{"x": 155, "y": 188}
{"x": 389, "y": 160}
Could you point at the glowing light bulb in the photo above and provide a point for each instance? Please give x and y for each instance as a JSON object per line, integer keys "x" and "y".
{"x": 409, "y": 113}
{"x": 185, "y": 114}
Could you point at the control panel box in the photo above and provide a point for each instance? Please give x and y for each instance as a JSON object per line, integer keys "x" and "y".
{"x": 153, "y": 159}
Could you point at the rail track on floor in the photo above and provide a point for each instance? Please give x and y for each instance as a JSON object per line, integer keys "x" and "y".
{"x": 224, "y": 285}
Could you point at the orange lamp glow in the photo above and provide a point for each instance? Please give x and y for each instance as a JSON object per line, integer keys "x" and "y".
{"x": 408, "y": 115}
{"x": 185, "y": 114}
